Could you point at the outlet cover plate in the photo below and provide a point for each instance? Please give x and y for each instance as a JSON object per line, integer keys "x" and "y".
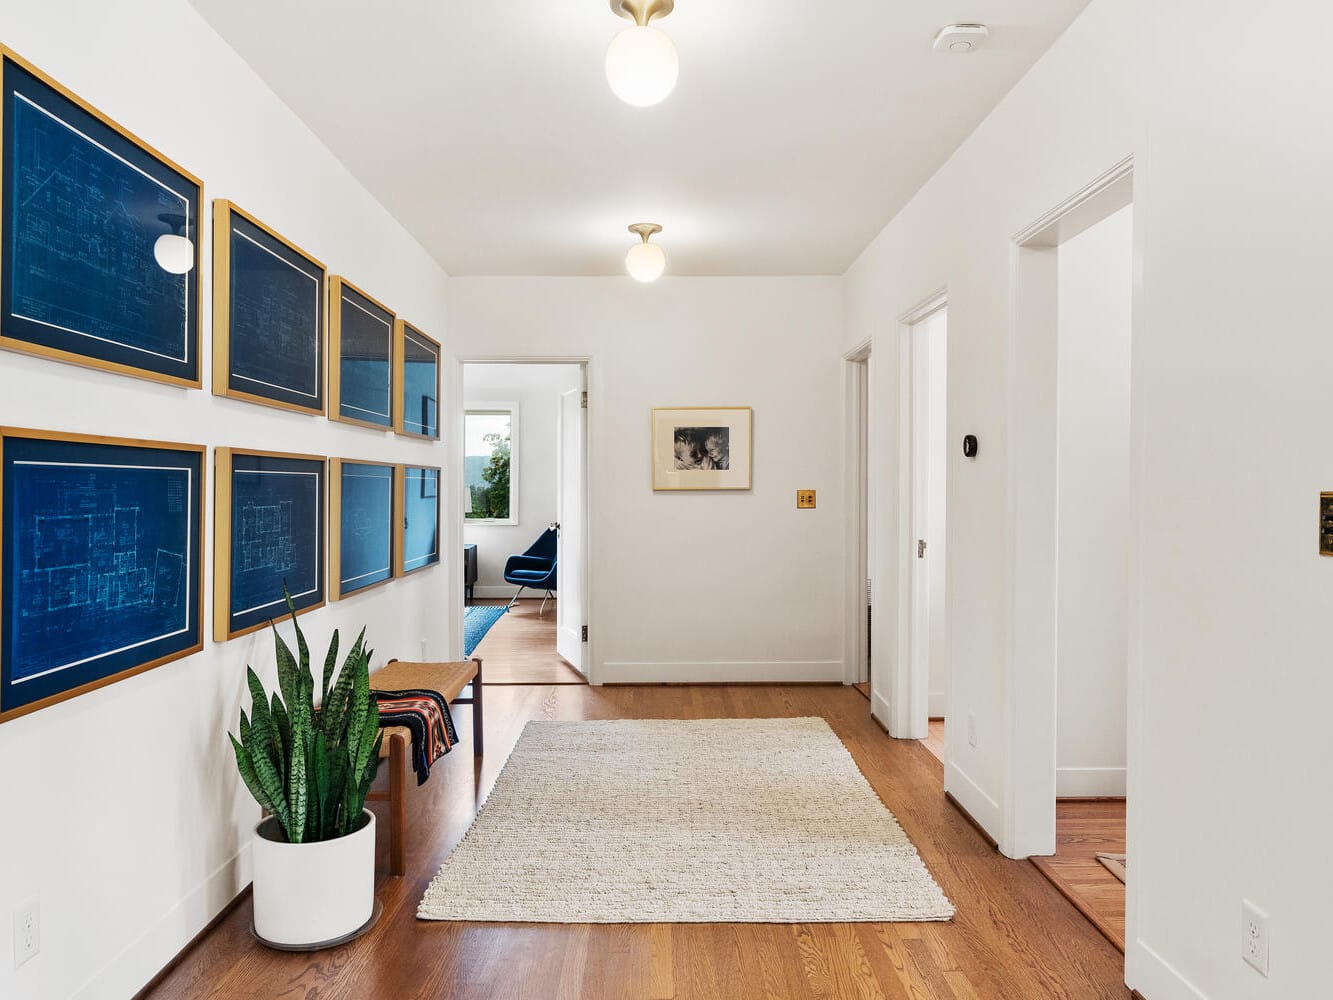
{"x": 27, "y": 932}
{"x": 1254, "y": 936}
{"x": 805, "y": 499}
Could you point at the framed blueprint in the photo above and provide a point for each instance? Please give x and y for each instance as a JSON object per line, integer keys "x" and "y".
{"x": 268, "y": 532}
{"x": 361, "y": 349}
{"x": 84, "y": 205}
{"x": 268, "y": 315}
{"x": 361, "y": 506}
{"x": 418, "y": 518}
{"x": 417, "y": 404}
{"x": 101, "y": 551}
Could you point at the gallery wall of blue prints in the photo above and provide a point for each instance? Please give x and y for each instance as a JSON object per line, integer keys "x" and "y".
{"x": 276, "y": 323}
{"x": 101, "y": 562}
{"x": 367, "y": 360}
{"x": 277, "y": 536}
{"x": 421, "y": 514}
{"x": 365, "y": 552}
{"x": 83, "y": 208}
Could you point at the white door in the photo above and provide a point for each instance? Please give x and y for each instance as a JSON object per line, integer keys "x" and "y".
{"x": 929, "y": 459}
{"x": 921, "y": 554}
{"x": 571, "y": 543}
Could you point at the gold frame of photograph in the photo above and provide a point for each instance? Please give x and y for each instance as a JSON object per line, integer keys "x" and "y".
{"x": 202, "y": 539}
{"x": 401, "y": 326}
{"x": 222, "y": 212}
{"x": 222, "y": 469}
{"x": 72, "y": 357}
{"x": 669, "y": 475}
{"x": 335, "y": 510}
{"x": 400, "y": 519}
{"x": 334, "y": 354}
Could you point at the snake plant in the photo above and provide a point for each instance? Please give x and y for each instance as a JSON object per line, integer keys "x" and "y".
{"x": 309, "y": 766}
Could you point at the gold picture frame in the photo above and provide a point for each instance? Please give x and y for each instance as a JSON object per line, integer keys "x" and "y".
{"x": 402, "y": 519}
{"x": 336, "y": 353}
{"x": 223, "y": 213}
{"x": 337, "y": 467}
{"x": 703, "y": 448}
{"x": 403, "y": 422}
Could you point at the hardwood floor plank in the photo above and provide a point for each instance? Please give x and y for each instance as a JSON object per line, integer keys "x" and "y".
{"x": 1014, "y": 936}
{"x": 520, "y": 647}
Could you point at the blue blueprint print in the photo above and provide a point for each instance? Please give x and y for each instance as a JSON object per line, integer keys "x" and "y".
{"x": 277, "y": 318}
{"x": 83, "y": 208}
{"x": 101, "y": 561}
{"x": 277, "y": 536}
{"x": 421, "y": 512}
{"x": 420, "y": 385}
{"x": 367, "y": 526}
{"x": 367, "y": 358}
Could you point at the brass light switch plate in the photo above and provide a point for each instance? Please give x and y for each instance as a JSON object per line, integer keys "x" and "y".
{"x": 805, "y": 499}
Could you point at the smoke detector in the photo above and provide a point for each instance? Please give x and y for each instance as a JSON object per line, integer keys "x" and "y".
{"x": 961, "y": 38}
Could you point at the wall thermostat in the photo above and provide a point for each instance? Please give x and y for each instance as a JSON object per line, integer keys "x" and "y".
{"x": 970, "y": 446}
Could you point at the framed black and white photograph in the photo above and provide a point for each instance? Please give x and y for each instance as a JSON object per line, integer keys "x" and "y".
{"x": 268, "y": 315}
{"x": 702, "y": 448}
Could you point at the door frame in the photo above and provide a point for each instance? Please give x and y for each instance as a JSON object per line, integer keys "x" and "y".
{"x": 856, "y": 365}
{"x": 591, "y": 664}
{"x": 909, "y": 702}
{"x": 1029, "y": 802}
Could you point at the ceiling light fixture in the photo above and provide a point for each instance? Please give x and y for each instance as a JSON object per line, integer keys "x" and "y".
{"x": 642, "y": 64}
{"x": 645, "y": 261}
{"x": 173, "y": 252}
{"x": 961, "y": 38}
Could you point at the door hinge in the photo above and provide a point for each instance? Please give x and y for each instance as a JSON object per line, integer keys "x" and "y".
{"x": 585, "y": 633}
{"x": 583, "y": 401}
{"x": 921, "y": 548}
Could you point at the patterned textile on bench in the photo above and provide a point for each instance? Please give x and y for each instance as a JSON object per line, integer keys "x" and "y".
{"x": 425, "y": 714}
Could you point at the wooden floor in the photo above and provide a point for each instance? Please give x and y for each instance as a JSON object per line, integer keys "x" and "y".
{"x": 935, "y": 741}
{"x": 1014, "y": 936}
{"x": 1082, "y": 830}
{"x": 520, "y": 647}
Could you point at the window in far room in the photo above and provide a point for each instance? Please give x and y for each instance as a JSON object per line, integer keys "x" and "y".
{"x": 488, "y": 455}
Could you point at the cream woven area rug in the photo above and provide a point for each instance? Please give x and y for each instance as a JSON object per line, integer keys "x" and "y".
{"x": 729, "y": 820}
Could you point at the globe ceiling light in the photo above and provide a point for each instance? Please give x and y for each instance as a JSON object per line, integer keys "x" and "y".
{"x": 173, "y": 252}
{"x": 645, "y": 261}
{"x": 642, "y": 64}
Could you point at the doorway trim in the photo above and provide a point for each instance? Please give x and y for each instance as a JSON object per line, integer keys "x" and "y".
{"x": 1030, "y": 697}
{"x": 856, "y": 365}
{"x": 591, "y": 387}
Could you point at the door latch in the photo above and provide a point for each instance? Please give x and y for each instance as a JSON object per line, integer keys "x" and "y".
{"x": 921, "y": 548}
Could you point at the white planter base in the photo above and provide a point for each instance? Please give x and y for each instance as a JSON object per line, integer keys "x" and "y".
{"x": 311, "y": 896}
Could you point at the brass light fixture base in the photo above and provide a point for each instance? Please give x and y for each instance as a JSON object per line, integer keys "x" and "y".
{"x": 645, "y": 229}
{"x": 642, "y": 11}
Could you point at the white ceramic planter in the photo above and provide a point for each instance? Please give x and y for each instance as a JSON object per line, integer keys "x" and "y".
{"x": 307, "y": 895}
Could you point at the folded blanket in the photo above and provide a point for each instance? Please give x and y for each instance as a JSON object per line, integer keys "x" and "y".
{"x": 426, "y": 716}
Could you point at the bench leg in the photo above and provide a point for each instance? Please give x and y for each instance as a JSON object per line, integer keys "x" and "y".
{"x": 397, "y": 802}
{"x": 478, "y": 739}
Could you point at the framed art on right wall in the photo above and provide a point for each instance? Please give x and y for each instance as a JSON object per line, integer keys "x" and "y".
{"x": 703, "y": 448}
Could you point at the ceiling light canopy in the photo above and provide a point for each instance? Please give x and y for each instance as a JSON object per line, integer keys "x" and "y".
{"x": 645, "y": 261}
{"x": 642, "y": 64}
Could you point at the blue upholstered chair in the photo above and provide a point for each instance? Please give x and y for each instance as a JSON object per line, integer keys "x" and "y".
{"x": 535, "y": 568}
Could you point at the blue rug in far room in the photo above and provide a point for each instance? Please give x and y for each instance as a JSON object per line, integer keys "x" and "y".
{"x": 477, "y": 622}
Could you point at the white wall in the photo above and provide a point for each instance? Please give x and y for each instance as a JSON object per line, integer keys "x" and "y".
{"x": 695, "y": 586}
{"x": 124, "y": 814}
{"x": 1092, "y": 625}
{"x": 1229, "y": 606}
{"x": 537, "y": 390}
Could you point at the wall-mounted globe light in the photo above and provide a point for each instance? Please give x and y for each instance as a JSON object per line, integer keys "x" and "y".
{"x": 645, "y": 261}
{"x": 642, "y": 64}
{"x": 173, "y": 252}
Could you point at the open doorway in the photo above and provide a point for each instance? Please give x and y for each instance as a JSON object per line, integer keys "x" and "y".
{"x": 861, "y": 591}
{"x": 926, "y": 461}
{"x": 1070, "y": 781}
{"x": 524, "y": 520}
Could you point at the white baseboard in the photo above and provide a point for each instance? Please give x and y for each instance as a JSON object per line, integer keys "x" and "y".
{"x": 129, "y": 971}
{"x": 1090, "y": 782}
{"x": 982, "y": 808}
{"x": 1155, "y": 978}
{"x": 704, "y": 672}
{"x": 937, "y": 703}
{"x": 879, "y": 708}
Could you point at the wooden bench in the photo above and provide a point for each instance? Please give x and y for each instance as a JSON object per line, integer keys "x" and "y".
{"x": 449, "y": 679}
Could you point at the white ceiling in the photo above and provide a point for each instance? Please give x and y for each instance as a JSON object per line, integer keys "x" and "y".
{"x": 798, "y": 128}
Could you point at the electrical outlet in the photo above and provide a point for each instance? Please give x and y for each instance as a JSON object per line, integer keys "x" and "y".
{"x": 971, "y": 730}
{"x": 423, "y": 650}
{"x": 27, "y": 932}
{"x": 1254, "y": 936}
